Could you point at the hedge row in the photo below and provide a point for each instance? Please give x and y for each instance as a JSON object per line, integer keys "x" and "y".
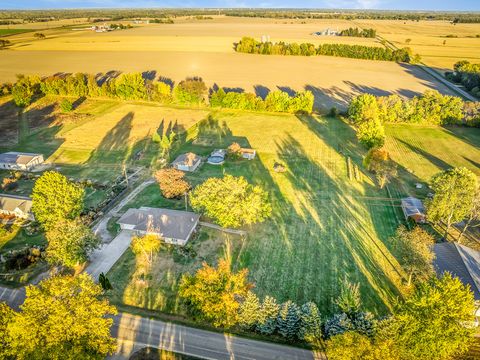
{"x": 133, "y": 86}
{"x": 429, "y": 108}
{"x": 468, "y": 75}
{"x": 251, "y": 46}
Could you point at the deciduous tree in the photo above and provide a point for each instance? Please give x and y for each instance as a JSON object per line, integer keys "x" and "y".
{"x": 473, "y": 216}
{"x": 214, "y": 292}
{"x": 62, "y": 318}
{"x": 55, "y": 198}
{"x": 70, "y": 242}
{"x": 378, "y": 161}
{"x": 172, "y": 182}
{"x": 454, "y": 191}
{"x": 414, "y": 251}
{"x": 231, "y": 201}
{"x": 435, "y": 322}
{"x": 146, "y": 246}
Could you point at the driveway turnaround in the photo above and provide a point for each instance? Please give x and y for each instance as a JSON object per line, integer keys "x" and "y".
{"x": 134, "y": 332}
{"x": 104, "y": 258}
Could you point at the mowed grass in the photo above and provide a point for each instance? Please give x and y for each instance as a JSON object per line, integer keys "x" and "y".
{"x": 325, "y": 226}
{"x": 426, "y": 150}
{"x": 6, "y": 32}
{"x": 100, "y": 136}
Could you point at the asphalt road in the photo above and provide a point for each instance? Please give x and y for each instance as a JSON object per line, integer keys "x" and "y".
{"x": 134, "y": 332}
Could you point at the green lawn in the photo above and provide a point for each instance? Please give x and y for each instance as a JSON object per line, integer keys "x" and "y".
{"x": 325, "y": 226}
{"x": 6, "y": 32}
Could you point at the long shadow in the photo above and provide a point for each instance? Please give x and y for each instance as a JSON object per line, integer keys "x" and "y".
{"x": 433, "y": 159}
{"x": 348, "y": 209}
{"x": 326, "y": 98}
{"x": 9, "y": 124}
{"x": 426, "y": 79}
{"x": 261, "y": 91}
{"x": 113, "y": 151}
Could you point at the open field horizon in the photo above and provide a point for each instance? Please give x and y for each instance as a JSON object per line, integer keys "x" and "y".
{"x": 204, "y": 48}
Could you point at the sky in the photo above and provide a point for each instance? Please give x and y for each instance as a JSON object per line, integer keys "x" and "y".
{"x": 440, "y": 5}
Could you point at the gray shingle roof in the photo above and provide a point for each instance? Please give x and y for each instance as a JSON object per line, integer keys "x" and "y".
{"x": 17, "y": 158}
{"x": 460, "y": 261}
{"x": 188, "y": 159}
{"x": 167, "y": 223}
{"x": 412, "y": 206}
{"x": 12, "y": 202}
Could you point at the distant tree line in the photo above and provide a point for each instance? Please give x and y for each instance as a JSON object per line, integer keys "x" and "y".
{"x": 119, "y": 14}
{"x": 356, "y": 32}
{"x": 133, "y": 86}
{"x": 251, "y": 46}
{"x": 468, "y": 75}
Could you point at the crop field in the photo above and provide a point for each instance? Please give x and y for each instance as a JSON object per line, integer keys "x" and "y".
{"x": 6, "y": 32}
{"x": 462, "y": 41}
{"x": 205, "y": 48}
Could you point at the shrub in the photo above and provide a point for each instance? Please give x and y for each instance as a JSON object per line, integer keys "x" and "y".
{"x": 172, "y": 182}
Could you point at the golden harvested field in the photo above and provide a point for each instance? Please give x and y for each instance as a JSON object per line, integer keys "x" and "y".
{"x": 205, "y": 48}
{"x": 427, "y": 38}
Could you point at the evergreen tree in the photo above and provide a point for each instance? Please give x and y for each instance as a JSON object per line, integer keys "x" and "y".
{"x": 363, "y": 322}
{"x": 249, "y": 311}
{"x": 288, "y": 320}
{"x": 267, "y": 320}
{"x": 310, "y": 323}
{"x": 349, "y": 299}
{"x": 338, "y": 324}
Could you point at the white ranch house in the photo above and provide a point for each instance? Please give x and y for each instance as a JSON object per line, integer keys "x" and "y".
{"x": 18, "y": 206}
{"x": 173, "y": 226}
{"x": 20, "y": 161}
{"x": 187, "y": 162}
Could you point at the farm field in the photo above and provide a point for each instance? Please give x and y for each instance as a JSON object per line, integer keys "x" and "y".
{"x": 205, "y": 48}
{"x": 428, "y": 37}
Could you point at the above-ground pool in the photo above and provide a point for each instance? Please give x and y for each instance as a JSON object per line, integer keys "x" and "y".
{"x": 216, "y": 160}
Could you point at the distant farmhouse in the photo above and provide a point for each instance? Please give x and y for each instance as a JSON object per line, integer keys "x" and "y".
{"x": 413, "y": 209}
{"x": 20, "y": 161}
{"x": 187, "y": 162}
{"x": 18, "y": 206}
{"x": 173, "y": 226}
{"x": 326, "y": 32}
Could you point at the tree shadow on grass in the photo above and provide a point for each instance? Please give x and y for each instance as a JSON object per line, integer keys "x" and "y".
{"x": 426, "y": 155}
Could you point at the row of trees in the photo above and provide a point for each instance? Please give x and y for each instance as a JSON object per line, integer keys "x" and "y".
{"x": 468, "y": 75}
{"x": 64, "y": 317}
{"x": 356, "y": 32}
{"x": 432, "y": 322}
{"x": 133, "y": 86}
{"x": 430, "y": 108}
{"x": 251, "y": 46}
{"x": 278, "y": 101}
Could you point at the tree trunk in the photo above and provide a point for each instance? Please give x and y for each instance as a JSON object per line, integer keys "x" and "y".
{"x": 467, "y": 224}
{"x": 409, "y": 282}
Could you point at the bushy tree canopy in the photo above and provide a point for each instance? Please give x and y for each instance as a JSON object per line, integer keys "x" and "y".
{"x": 62, "y": 318}
{"x": 454, "y": 191}
{"x": 435, "y": 322}
{"x": 146, "y": 246}
{"x": 414, "y": 251}
{"x": 172, "y": 182}
{"x": 231, "y": 201}
{"x": 25, "y": 89}
{"x": 70, "y": 242}
{"x": 55, "y": 198}
{"x": 214, "y": 292}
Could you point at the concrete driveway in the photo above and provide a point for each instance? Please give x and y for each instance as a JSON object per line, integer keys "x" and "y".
{"x": 104, "y": 258}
